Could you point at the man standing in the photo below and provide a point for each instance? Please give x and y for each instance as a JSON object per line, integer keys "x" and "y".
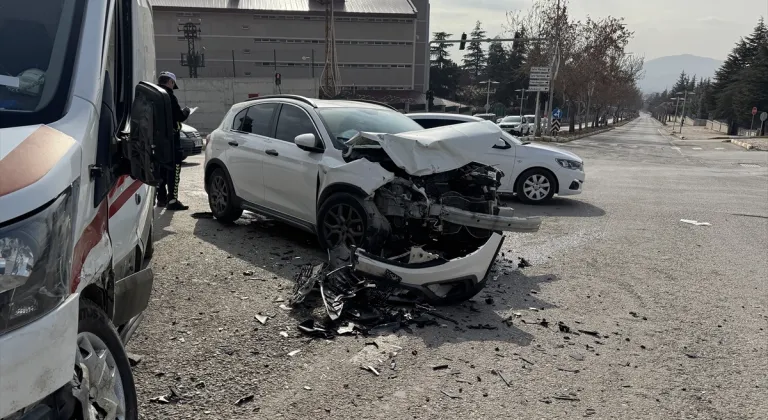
{"x": 170, "y": 176}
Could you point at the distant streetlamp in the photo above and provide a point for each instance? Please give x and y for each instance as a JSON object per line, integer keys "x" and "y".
{"x": 682, "y": 119}
{"x": 522, "y": 96}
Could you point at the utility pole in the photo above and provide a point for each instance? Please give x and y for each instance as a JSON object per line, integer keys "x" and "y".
{"x": 555, "y": 63}
{"x": 522, "y": 97}
{"x": 675, "y": 120}
{"x": 488, "y": 95}
{"x": 682, "y": 119}
{"x": 192, "y": 59}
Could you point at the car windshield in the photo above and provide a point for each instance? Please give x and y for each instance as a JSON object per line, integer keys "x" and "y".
{"x": 34, "y": 66}
{"x": 530, "y": 119}
{"x": 344, "y": 123}
{"x": 515, "y": 119}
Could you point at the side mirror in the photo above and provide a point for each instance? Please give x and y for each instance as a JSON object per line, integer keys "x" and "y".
{"x": 308, "y": 142}
{"x": 151, "y": 138}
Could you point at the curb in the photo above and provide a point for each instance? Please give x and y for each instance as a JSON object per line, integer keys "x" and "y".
{"x": 550, "y": 139}
{"x": 742, "y": 144}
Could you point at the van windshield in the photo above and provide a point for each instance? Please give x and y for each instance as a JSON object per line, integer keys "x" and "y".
{"x": 34, "y": 65}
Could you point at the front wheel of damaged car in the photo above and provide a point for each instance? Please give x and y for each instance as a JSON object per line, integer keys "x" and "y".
{"x": 102, "y": 382}
{"x": 536, "y": 186}
{"x": 341, "y": 221}
{"x": 221, "y": 197}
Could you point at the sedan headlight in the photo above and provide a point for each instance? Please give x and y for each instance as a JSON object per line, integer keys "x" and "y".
{"x": 570, "y": 164}
{"x": 35, "y": 258}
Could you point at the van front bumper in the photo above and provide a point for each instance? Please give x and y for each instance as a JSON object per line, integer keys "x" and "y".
{"x": 38, "y": 359}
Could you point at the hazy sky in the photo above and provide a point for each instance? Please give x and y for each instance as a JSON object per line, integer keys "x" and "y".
{"x": 707, "y": 28}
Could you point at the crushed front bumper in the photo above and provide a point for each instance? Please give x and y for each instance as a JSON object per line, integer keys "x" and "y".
{"x": 435, "y": 278}
{"x": 38, "y": 359}
{"x": 504, "y": 221}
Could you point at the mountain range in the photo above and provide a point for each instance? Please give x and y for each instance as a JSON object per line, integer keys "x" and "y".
{"x": 662, "y": 73}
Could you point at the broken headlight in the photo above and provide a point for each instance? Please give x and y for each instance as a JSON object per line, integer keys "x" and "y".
{"x": 35, "y": 256}
{"x": 569, "y": 164}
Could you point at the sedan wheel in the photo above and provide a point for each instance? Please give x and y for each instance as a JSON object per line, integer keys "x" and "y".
{"x": 535, "y": 186}
{"x": 221, "y": 198}
{"x": 343, "y": 224}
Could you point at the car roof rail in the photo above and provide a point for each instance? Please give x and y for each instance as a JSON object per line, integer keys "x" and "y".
{"x": 368, "y": 101}
{"x": 294, "y": 97}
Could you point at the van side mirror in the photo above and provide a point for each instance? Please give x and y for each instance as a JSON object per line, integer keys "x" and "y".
{"x": 150, "y": 143}
{"x": 308, "y": 142}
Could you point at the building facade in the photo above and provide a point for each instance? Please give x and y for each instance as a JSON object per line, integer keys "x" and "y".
{"x": 380, "y": 44}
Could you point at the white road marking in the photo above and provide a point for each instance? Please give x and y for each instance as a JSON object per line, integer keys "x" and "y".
{"x": 697, "y": 148}
{"x": 719, "y": 148}
{"x": 675, "y": 148}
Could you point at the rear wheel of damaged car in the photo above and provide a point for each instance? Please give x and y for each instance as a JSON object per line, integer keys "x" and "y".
{"x": 103, "y": 381}
{"x": 221, "y": 197}
{"x": 342, "y": 220}
{"x": 536, "y": 186}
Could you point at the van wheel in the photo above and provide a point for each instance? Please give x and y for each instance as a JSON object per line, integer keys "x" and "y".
{"x": 341, "y": 220}
{"x": 221, "y": 197}
{"x": 103, "y": 381}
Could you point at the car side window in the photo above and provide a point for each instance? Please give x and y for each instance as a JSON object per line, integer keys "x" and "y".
{"x": 254, "y": 119}
{"x": 239, "y": 122}
{"x": 293, "y": 122}
{"x": 428, "y": 123}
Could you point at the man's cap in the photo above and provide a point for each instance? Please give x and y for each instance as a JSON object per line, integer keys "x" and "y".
{"x": 170, "y": 76}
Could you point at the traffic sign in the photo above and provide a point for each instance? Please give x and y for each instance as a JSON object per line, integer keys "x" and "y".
{"x": 556, "y": 113}
{"x": 539, "y": 76}
{"x": 555, "y": 127}
{"x": 754, "y": 110}
{"x": 538, "y": 82}
{"x": 764, "y": 116}
{"x": 538, "y": 88}
{"x": 546, "y": 70}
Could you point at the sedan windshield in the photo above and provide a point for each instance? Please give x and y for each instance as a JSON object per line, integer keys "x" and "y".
{"x": 514, "y": 119}
{"x": 344, "y": 123}
{"x": 35, "y": 69}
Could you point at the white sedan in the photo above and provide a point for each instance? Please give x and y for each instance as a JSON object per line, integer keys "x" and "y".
{"x": 534, "y": 172}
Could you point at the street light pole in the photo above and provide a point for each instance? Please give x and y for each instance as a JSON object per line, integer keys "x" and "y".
{"x": 682, "y": 116}
{"x": 488, "y": 95}
{"x": 674, "y": 122}
{"x": 522, "y": 96}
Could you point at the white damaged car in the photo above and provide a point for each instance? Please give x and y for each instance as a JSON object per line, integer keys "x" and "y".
{"x": 412, "y": 205}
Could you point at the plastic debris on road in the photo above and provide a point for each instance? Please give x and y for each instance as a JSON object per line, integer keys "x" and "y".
{"x": 695, "y": 223}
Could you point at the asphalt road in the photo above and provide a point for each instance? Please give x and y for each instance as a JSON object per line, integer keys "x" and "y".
{"x": 674, "y": 316}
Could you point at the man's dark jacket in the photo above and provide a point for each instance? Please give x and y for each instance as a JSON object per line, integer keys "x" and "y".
{"x": 179, "y": 116}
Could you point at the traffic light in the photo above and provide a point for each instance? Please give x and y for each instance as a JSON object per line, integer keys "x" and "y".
{"x": 278, "y": 79}
{"x": 463, "y": 42}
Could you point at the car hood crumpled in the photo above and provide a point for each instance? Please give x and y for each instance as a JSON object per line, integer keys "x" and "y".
{"x": 434, "y": 150}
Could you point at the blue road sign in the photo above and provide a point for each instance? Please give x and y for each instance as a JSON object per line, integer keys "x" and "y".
{"x": 556, "y": 113}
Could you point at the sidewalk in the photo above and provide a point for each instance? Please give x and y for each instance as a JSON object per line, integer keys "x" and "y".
{"x": 703, "y": 133}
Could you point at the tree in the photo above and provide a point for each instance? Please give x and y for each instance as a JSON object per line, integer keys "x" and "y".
{"x": 439, "y": 54}
{"x": 751, "y": 89}
{"x": 475, "y": 59}
{"x": 444, "y": 81}
{"x": 681, "y": 85}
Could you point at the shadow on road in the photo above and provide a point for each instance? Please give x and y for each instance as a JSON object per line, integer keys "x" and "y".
{"x": 162, "y": 221}
{"x": 189, "y": 164}
{"x": 281, "y": 250}
{"x": 557, "y": 207}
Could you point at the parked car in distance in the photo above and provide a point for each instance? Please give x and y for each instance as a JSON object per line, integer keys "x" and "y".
{"x": 488, "y": 117}
{"x": 533, "y": 172}
{"x": 191, "y": 141}
{"x": 514, "y": 124}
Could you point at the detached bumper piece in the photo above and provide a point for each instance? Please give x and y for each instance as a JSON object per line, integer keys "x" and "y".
{"x": 373, "y": 292}
{"x": 497, "y": 223}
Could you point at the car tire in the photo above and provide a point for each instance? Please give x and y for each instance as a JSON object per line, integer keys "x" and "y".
{"x": 98, "y": 347}
{"x": 341, "y": 217}
{"x": 221, "y": 197}
{"x": 535, "y": 186}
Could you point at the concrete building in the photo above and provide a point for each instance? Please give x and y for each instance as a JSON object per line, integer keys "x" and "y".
{"x": 381, "y": 45}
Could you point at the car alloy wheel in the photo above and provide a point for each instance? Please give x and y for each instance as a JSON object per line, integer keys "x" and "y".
{"x": 536, "y": 187}
{"x": 218, "y": 194}
{"x": 343, "y": 225}
{"x": 97, "y": 383}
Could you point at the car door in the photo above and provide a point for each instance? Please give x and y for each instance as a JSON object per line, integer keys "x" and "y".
{"x": 290, "y": 173}
{"x": 246, "y": 142}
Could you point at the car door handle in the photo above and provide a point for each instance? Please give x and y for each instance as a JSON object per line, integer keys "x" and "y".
{"x": 272, "y": 152}
{"x": 233, "y": 143}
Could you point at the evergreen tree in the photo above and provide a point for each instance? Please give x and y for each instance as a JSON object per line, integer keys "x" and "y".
{"x": 439, "y": 54}
{"x": 681, "y": 85}
{"x": 475, "y": 59}
{"x": 692, "y": 84}
{"x": 751, "y": 89}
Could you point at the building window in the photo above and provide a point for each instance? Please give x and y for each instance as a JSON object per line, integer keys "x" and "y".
{"x": 246, "y": 51}
{"x": 245, "y": 27}
{"x": 247, "y": 73}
